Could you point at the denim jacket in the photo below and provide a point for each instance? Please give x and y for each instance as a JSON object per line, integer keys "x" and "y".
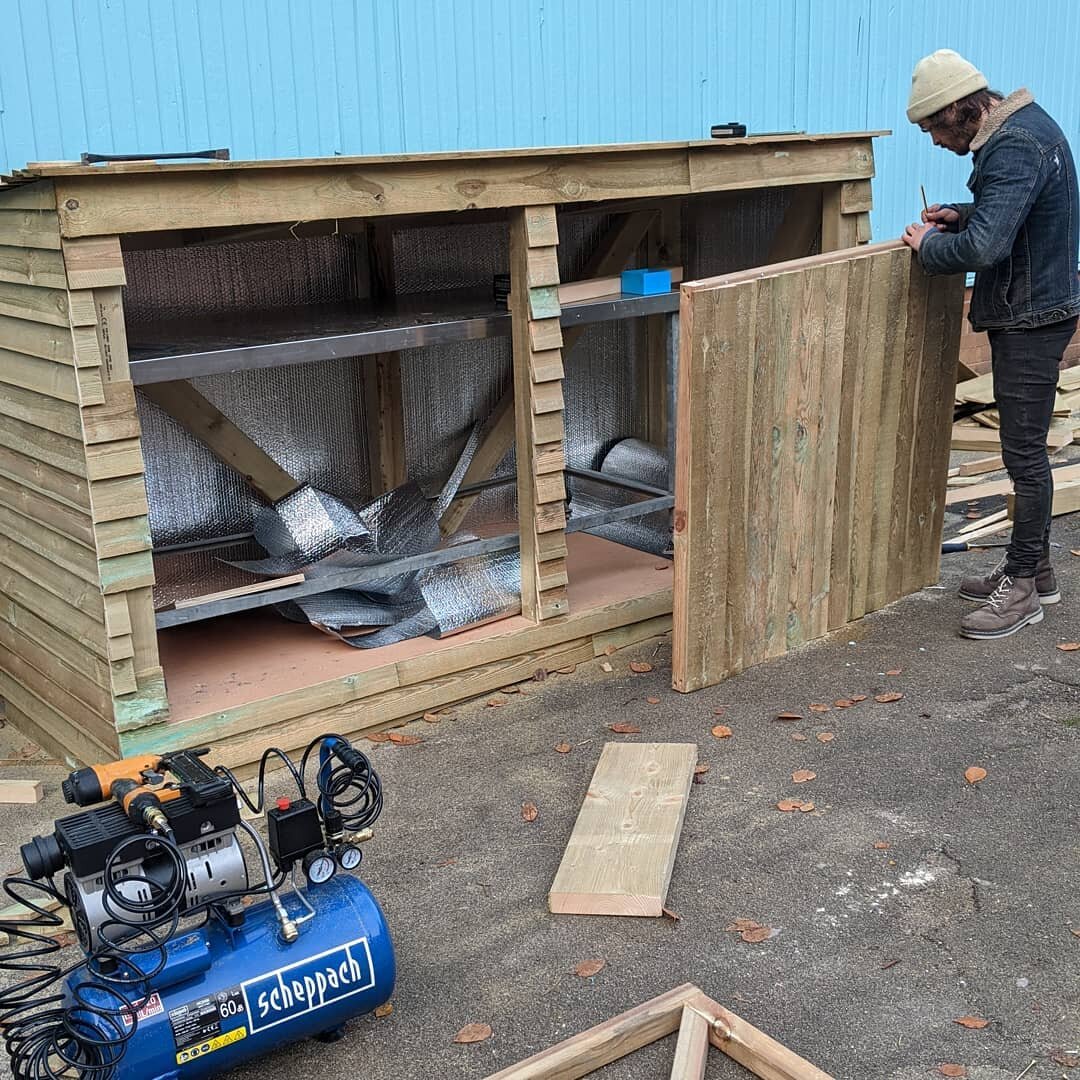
{"x": 1020, "y": 235}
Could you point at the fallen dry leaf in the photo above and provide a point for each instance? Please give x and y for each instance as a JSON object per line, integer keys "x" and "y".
{"x": 1073, "y": 551}
{"x": 378, "y": 736}
{"x": 1069, "y": 1061}
{"x": 432, "y": 717}
{"x": 605, "y": 666}
{"x": 495, "y": 703}
{"x": 819, "y": 706}
{"x": 610, "y": 650}
{"x": 976, "y": 1023}
{"x": 653, "y": 700}
{"x": 540, "y": 674}
{"x": 510, "y": 690}
{"x": 722, "y": 731}
{"x": 806, "y": 808}
{"x": 825, "y": 736}
{"x": 801, "y": 776}
{"x": 753, "y": 937}
{"x": 662, "y": 566}
{"x": 562, "y": 748}
{"x": 856, "y": 698}
{"x": 882, "y": 845}
{"x": 895, "y": 671}
{"x": 788, "y": 805}
{"x": 1070, "y": 646}
{"x": 640, "y": 666}
{"x": 701, "y": 770}
{"x": 798, "y": 737}
{"x": 844, "y": 703}
{"x": 669, "y": 914}
{"x": 588, "y": 968}
{"x": 568, "y": 670}
{"x": 625, "y": 729}
{"x": 952, "y": 1070}
{"x": 788, "y": 716}
{"x": 529, "y": 811}
{"x": 885, "y": 699}
{"x": 739, "y": 925}
{"x": 446, "y": 862}
{"x": 385, "y": 1009}
{"x": 1075, "y": 933}
{"x": 890, "y": 963}
{"x": 971, "y": 515}
{"x": 974, "y": 774}
{"x": 473, "y": 1033}
{"x": 719, "y": 710}
{"x": 399, "y": 739}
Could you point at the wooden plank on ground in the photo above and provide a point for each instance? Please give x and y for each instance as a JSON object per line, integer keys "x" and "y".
{"x": 222, "y": 437}
{"x": 692, "y": 1047}
{"x": 622, "y": 850}
{"x": 21, "y": 791}
{"x": 1066, "y": 499}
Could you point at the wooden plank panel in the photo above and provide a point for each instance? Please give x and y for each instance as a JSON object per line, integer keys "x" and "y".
{"x": 222, "y": 437}
{"x": 112, "y": 500}
{"x": 43, "y": 446}
{"x": 32, "y": 266}
{"x": 867, "y": 436}
{"x": 857, "y": 300}
{"x": 77, "y": 558}
{"x": 116, "y": 417}
{"x": 621, "y": 852}
{"x": 24, "y": 588}
{"x": 68, "y": 589}
{"x": 37, "y": 339}
{"x": 36, "y": 304}
{"x": 41, "y": 411}
{"x": 30, "y": 228}
{"x": 42, "y": 376}
{"x": 105, "y": 461}
{"x": 713, "y": 331}
{"x": 894, "y": 383}
{"x": 385, "y": 421}
{"x": 39, "y": 195}
{"x": 94, "y": 262}
{"x": 144, "y": 639}
{"x": 111, "y": 333}
{"x": 40, "y": 508}
{"x": 43, "y": 479}
{"x": 49, "y": 730}
{"x": 122, "y": 537}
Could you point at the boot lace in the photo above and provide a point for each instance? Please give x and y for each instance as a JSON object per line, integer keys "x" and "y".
{"x": 998, "y": 570}
{"x": 1001, "y": 593}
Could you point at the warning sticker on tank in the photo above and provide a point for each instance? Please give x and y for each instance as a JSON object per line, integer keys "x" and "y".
{"x": 216, "y": 1043}
{"x": 144, "y": 1009}
{"x": 309, "y": 984}
{"x": 197, "y": 1024}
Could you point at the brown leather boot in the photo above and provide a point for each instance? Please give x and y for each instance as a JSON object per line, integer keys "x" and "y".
{"x": 979, "y": 588}
{"x": 1010, "y": 607}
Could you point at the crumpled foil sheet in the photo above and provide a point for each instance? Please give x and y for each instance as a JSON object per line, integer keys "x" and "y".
{"x": 635, "y": 460}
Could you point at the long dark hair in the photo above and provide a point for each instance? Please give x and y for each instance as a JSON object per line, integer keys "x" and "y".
{"x": 960, "y": 116}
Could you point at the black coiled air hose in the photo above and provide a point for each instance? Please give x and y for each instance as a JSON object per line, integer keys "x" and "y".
{"x": 350, "y": 788}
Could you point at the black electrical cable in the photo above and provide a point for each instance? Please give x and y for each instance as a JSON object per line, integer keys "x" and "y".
{"x": 257, "y": 806}
{"x": 351, "y": 788}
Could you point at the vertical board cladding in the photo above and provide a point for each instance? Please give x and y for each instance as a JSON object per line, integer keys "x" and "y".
{"x": 815, "y": 407}
{"x": 78, "y": 655}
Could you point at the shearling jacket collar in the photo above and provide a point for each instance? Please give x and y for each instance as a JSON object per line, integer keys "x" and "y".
{"x": 999, "y": 114}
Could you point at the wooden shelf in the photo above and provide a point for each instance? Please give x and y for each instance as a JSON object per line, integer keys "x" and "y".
{"x": 180, "y": 349}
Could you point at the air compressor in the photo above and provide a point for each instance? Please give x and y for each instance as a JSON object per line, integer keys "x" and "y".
{"x": 189, "y": 967}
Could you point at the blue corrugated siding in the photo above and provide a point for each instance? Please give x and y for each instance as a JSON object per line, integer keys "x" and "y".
{"x": 285, "y": 78}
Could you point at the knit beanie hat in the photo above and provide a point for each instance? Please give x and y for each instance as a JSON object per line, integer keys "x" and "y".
{"x": 940, "y": 79}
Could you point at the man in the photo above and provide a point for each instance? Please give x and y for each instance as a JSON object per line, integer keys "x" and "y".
{"x": 1020, "y": 236}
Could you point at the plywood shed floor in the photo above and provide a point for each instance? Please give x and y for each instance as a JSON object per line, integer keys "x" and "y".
{"x": 224, "y": 664}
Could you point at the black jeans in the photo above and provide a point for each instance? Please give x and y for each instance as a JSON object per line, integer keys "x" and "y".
{"x": 1025, "y": 364}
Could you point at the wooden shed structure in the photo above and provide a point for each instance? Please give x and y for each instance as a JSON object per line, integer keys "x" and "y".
{"x": 303, "y": 267}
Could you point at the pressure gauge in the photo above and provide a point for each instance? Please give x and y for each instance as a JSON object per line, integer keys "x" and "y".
{"x": 349, "y": 856}
{"x": 319, "y": 867}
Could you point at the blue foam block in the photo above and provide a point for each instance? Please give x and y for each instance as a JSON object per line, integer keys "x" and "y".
{"x": 646, "y": 282}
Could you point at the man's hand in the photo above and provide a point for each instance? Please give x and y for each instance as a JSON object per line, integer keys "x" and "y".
{"x": 914, "y": 233}
{"x": 942, "y": 216}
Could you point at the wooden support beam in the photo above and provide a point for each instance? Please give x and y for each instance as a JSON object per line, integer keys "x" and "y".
{"x": 222, "y": 437}
{"x": 538, "y": 414}
{"x": 385, "y": 421}
{"x": 845, "y": 217}
{"x": 692, "y": 1048}
{"x": 621, "y": 852}
{"x": 664, "y": 247}
{"x": 607, "y": 1042}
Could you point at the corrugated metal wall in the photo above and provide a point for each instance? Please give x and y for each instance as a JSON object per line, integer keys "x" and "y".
{"x": 283, "y": 78}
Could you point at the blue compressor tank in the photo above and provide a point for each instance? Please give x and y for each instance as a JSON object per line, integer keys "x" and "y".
{"x": 226, "y": 995}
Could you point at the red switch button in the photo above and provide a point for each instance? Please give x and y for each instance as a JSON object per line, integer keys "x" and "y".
{"x": 283, "y": 803}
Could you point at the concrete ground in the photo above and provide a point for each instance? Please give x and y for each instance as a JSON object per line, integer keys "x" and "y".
{"x": 971, "y": 909}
